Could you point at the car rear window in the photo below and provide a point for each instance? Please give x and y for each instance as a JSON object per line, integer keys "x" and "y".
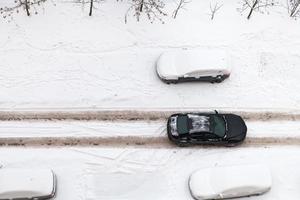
{"x": 219, "y": 126}
{"x": 182, "y": 124}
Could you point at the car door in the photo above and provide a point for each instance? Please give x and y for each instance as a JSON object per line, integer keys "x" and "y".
{"x": 187, "y": 78}
{"x": 203, "y": 75}
{"x": 198, "y": 137}
{"x": 212, "y": 138}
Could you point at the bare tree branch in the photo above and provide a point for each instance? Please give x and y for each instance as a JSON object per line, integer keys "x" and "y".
{"x": 252, "y": 8}
{"x": 91, "y": 4}
{"x": 213, "y": 9}
{"x": 153, "y": 9}
{"x": 256, "y": 5}
{"x": 27, "y": 5}
{"x": 27, "y": 8}
{"x": 91, "y": 7}
{"x": 180, "y": 6}
{"x": 294, "y": 8}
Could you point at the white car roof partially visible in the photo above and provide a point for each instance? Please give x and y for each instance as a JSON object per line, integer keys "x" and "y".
{"x": 182, "y": 62}
{"x": 166, "y": 66}
{"x": 252, "y": 176}
{"x": 26, "y": 183}
{"x": 217, "y": 182}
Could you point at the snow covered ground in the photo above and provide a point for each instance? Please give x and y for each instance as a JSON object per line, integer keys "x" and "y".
{"x": 61, "y": 58}
{"x": 126, "y": 174}
{"x": 142, "y": 170}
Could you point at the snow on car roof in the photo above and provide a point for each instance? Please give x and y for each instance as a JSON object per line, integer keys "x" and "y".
{"x": 181, "y": 62}
{"x": 26, "y": 183}
{"x": 230, "y": 181}
{"x": 226, "y": 178}
{"x": 200, "y": 123}
{"x": 187, "y": 61}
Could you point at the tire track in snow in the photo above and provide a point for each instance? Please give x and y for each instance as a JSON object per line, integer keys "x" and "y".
{"x": 134, "y": 141}
{"x": 139, "y": 115}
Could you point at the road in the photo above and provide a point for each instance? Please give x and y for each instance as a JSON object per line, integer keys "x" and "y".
{"x": 143, "y": 134}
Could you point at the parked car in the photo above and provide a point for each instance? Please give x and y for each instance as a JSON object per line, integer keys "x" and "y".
{"x": 206, "y": 128}
{"x": 230, "y": 182}
{"x": 191, "y": 65}
{"x": 37, "y": 184}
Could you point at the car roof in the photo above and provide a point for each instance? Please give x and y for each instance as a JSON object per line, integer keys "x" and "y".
{"x": 199, "y": 123}
{"x": 26, "y": 183}
{"x": 230, "y": 180}
{"x": 192, "y": 61}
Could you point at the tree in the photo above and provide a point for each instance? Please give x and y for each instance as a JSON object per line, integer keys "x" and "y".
{"x": 153, "y": 9}
{"x": 294, "y": 8}
{"x": 213, "y": 9}
{"x": 256, "y": 5}
{"x": 91, "y": 7}
{"x": 27, "y": 5}
{"x": 180, "y": 6}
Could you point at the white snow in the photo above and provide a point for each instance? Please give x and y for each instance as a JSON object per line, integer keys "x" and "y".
{"x": 121, "y": 174}
{"x": 61, "y": 58}
{"x": 19, "y": 129}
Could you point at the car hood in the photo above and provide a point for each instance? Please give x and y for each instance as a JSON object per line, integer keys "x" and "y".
{"x": 236, "y": 127}
{"x": 200, "y": 184}
{"x": 165, "y": 66}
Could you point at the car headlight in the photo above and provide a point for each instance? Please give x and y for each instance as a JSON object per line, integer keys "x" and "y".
{"x": 173, "y": 126}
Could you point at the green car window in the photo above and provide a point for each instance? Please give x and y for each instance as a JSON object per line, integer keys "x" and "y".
{"x": 182, "y": 124}
{"x": 219, "y": 126}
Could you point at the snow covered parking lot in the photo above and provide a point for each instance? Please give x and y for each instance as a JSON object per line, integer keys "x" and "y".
{"x": 132, "y": 173}
{"x": 61, "y": 68}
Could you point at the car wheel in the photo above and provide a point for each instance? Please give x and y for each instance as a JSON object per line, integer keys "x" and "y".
{"x": 219, "y": 79}
{"x": 171, "y": 82}
{"x": 231, "y": 144}
{"x": 182, "y": 144}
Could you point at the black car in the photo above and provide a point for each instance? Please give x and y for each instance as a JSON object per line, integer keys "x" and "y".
{"x": 206, "y": 128}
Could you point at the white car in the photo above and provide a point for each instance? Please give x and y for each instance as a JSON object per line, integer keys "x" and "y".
{"x": 230, "y": 182}
{"x": 193, "y": 65}
{"x": 27, "y": 184}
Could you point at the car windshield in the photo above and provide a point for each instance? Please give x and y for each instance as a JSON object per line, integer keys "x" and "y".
{"x": 182, "y": 124}
{"x": 219, "y": 126}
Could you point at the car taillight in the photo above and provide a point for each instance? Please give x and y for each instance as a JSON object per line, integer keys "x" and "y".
{"x": 173, "y": 125}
